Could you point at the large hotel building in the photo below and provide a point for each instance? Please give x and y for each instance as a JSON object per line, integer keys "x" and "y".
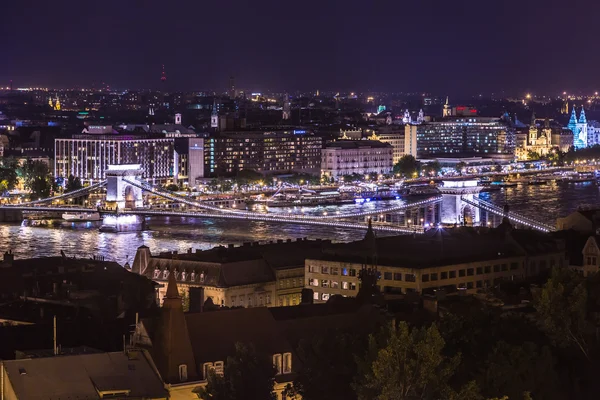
{"x": 461, "y": 135}
{"x": 163, "y": 156}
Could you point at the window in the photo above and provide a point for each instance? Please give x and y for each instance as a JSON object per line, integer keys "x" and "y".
{"x": 315, "y": 297}
{"x": 334, "y": 284}
{"x": 352, "y": 272}
{"x": 325, "y": 296}
{"x": 496, "y": 268}
{"x": 352, "y": 286}
{"x": 218, "y": 368}
{"x": 324, "y": 283}
{"x": 514, "y": 266}
{"x": 444, "y": 275}
{"x": 470, "y": 272}
{"x": 268, "y": 296}
{"x": 397, "y": 276}
{"x": 313, "y": 282}
{"x": 287, "y": 363}
{"x": 345, "y": 271}
{"x": 324, "y": 270}
{"x": 249, "y": 301}
{"x": 434, "y": 276}
{"x": 334, "y": 271}
{"x": 469, "y": 285}
{"x": 206, "y": 369}
{"x": 504, "y": 267}
{"x": 410, "y": 278}
{"x": 313, "y": 268}
{"x": 452, "y": 274}
{"x": 345, "y": 285}
{"x": 387, "y": 276}
{"x": 165, "y": 274}
{"x": 425, "y": 278}
{"x": 461, "y": 272}
{"x": 277, "y": 363}
{"x": 183, "y": 376}
{"x": 479, "y": 284}
{"x": 156, "y": 274}
{"x": 479, "y": 271}
{"x": 233, "y": 298}
{"x": 487, "y": 269}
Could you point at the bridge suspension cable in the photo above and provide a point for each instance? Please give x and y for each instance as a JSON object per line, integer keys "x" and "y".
{"x": 74, "y": 193}
{"x": 512, "y": 216}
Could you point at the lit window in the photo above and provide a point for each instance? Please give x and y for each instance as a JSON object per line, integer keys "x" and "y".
{"x": 183, "y": 375}
{"x": 277, "y": 363}
{"x": 206, "y": 369}
{"x": 218, "y": 368}
{"x": 287, "y": 363}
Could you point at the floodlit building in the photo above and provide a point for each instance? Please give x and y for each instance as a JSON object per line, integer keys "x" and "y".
{"x": 347, "y": 157}
{"x": 265, "y": 151}
{"x": 461, "y": 259}
{"x": 492, "y": 137}
{"x": 579, "y": 127}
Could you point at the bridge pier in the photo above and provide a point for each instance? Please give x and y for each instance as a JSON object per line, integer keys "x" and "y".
{"x": 455, "y": 211}
{"x": 123, "y": 223}
{"x": 8, "y": 215}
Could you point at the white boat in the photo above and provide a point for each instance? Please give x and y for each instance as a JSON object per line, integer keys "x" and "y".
{"x": 81, "y": 216}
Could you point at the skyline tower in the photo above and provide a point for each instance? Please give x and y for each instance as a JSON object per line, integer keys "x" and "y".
{"x": 232, "y": 93}
{"x": 163, "y": 75}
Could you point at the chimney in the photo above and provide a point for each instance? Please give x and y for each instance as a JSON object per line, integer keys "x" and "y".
{"x": 307, "y": 296}
{"x": 196, "y": 296}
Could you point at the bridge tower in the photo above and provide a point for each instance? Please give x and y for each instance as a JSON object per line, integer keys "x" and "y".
{"x": 453, "y": 209}
{"x": 120, "y": 193}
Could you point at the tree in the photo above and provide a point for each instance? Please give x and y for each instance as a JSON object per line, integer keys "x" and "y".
{"x": 36, "y": 177}
{"x": 512, "y": 370}
{"x": 328, "y": 366}
{"x": 248, "y": 177}
{"x": 246, "y": 376}
{"x": 460, "y": 167}
{"x": 432, "y": 168}
{"x": 410, "y": 364}
{"x": 8, "y": 179}
{"x": 562, "y": 305}
{"x": 407, "y": 166}
{"x": 73, "y": 184}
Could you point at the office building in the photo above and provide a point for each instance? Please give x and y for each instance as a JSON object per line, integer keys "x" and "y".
{"x": 264, "y": 151}
{"x": 347, "y": 157}
{"x": 463, "y": 259}
{"x": 492, "y": 137}
{"x": 403, "y": 140}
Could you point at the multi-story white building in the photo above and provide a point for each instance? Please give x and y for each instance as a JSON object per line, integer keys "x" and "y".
{"x": 403, "y": 140}
{"x": 347, "y": 157}
{"x": 87, "y": 157}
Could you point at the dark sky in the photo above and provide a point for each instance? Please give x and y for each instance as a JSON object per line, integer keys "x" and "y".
{"x": 450, "y": 46}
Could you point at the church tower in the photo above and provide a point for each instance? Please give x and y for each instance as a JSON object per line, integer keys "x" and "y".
{"x": 421, "y": 117}
{"x": 447, "y": 109}
{"x": 533, "y": 131}
{"x": 286, "y": 107}
{"x": 214, "y": 117}
{"x": 406, "y": 119}
{"x": 171, "y": 346}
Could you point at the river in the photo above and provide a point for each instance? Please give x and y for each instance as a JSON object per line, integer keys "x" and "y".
{"x": 544, "y": 203}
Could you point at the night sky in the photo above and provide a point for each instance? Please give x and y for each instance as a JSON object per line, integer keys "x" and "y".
{"x": 461, "y": 47}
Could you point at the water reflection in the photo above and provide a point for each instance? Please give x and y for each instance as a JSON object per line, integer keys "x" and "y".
{"x": 81, "y": 239}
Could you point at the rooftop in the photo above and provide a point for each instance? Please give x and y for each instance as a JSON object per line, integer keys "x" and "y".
{"x": 357, "y": 144}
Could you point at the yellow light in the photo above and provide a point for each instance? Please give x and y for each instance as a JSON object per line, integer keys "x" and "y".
{"x": 528, "y": 96}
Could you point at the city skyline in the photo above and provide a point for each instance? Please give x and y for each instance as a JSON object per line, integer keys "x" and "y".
{"x": 435, "y": 47}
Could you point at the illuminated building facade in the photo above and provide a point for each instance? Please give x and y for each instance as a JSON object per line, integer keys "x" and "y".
{"x": 403, "y": 140}
{"x": 464, "y": 259}
{"x": 579, "y": 127}
{"x": 347, "y": 157}
{"x": 466, "y": 135}
{"x": 87, "y": 157}
{"x": 265, "y": 152}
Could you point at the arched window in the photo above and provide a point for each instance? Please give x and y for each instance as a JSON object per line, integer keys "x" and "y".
{"x": 287, "y": 363}
{"x": 183, "y": 375}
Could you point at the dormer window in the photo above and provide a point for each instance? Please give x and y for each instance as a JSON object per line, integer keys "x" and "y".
{"x": 287, "y": 363}
{"x": 183, "y": 275}
{"x": 156, "y": 274}
{"x": 193, "y": 276}
{"x": 183, "y": 375}
{"x": 206, "y": 369}
{"x": 165, "y": 274}
{"x": 277, "y": 360}
{"x": 219, "y": 368}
